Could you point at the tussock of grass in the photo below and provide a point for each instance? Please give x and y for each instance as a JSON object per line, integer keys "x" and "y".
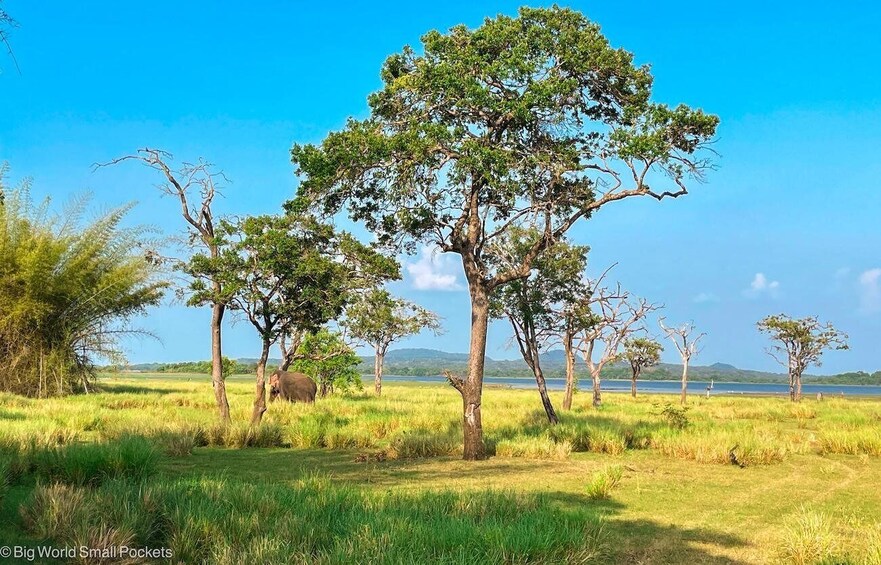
{"x": 809, "y": 540}
{"x": 604, "y": 481}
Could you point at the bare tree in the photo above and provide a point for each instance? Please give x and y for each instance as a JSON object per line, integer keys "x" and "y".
{"x": 198, "y": 180}
{"x": 616, "y": 317}
{"x": 7, "y": 23}
{"x": 801, "y": 344}
{"x": 687, "y": 347}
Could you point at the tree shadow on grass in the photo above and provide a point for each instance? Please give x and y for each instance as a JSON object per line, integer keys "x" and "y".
{"x": 627, "y": 540}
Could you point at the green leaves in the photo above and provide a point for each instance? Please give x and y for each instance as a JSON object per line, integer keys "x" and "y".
{"x": 67, "y": 293}
{"x": 801, "y": 340}
{"x": 379, "y": 319}
{"x": 528, "y": 121}
{"x": 291, "y": 272}
{"x": 642, "y": 352}
{"x": 324, "y": 356}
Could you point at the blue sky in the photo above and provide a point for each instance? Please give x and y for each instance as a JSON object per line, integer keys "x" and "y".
{"x": 788, "y": 223}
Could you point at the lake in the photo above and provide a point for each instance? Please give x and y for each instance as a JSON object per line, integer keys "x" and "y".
{"x": 670, "y": 387}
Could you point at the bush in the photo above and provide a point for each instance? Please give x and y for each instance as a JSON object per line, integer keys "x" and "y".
{"x": 51, "y": 325}
{"x": 676, "y": 416}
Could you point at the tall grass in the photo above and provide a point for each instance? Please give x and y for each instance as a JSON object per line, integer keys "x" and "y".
{"x": 424, "y": 421}
{"x": 81, "y": 464}
{"x": 315, "y": 521}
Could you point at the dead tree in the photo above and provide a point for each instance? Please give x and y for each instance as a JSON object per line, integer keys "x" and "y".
{"x": 198, "y": 180}
{"x": 616, "y": 317}
{"x": 687, "y": 347}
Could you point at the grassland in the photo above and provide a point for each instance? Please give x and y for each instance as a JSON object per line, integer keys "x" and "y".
{"x": 378, "y": 480}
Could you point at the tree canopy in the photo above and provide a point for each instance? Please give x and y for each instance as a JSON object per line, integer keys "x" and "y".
{"x": 800, "y": 343}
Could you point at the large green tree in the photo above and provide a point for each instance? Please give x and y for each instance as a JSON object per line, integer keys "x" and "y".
{"x": 528, "y": 120}
{"x": 800, "y": 343}
{"x": 69, "y": 291}
{"x": 531, "y": 303}
{"x": 288, "y": 274}
{"x": 379, "y": 319}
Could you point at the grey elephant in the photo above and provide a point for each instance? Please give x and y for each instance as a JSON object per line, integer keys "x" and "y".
{"x": 293, "y": 387}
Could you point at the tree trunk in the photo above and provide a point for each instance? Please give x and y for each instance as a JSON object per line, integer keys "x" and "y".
{"x": 260, "y": 391}
{"x": 217, "y": 311}
{"x": 791, "y": 386}
{"x": 683, "y": 395}
{"x": 798, "y": 387}
{"x": 378, "y": 362}
{"x": 570, "y": 371}
{"x": 633, "y": 383}
{"x": 472, "y": 389}
{"x": 543, "y": 390}
{"x": 597, "y": 398}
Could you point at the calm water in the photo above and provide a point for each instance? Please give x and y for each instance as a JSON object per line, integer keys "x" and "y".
{"x": 671, "y": 387}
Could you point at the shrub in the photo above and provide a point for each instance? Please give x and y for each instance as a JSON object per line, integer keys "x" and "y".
{"x": 676, "y": 416}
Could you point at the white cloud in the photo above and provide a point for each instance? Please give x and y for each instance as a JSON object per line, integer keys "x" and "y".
{"x": 761, "y": 285}
{"x": 434, "y": 271}
{"x": 870, "y": 291}
{"x": 705, "y": 297}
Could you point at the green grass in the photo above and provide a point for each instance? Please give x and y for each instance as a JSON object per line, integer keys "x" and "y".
{"x": 364, "y": 479}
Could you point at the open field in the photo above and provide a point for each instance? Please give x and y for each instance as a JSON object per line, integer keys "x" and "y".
{"x": 361, "y": 479}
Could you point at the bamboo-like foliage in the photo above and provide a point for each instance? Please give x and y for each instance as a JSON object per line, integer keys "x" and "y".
{"x": 68, "y": 291}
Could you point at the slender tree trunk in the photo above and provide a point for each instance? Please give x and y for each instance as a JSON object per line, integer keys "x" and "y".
{"x": 798, "y": 387}
{"x": 570, "y": 371}
{"x": 378, "y": 362}
{"x": 597, "y": 396}
{"x": 682, "y": 396}
{"x": 260, "y": 391}
{"x": 543, "y": 390}
{"x": 791, "y": 385}
{"x": 633, "y": 382}
{"x": 472, "y": 389}
{"x": 217, "y": 311}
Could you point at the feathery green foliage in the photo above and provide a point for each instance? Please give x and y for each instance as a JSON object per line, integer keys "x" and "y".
{"x": 68, "y": 291}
